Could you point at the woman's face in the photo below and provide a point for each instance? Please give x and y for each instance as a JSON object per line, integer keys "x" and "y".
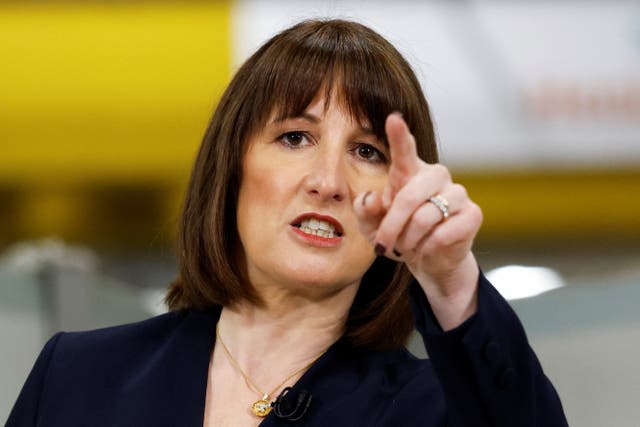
{"x": 295, "y": 216}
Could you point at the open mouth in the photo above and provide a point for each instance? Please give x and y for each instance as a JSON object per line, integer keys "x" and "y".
{"x": 318, "y": 227}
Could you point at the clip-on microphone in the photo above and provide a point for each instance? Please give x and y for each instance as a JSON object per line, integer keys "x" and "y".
{"x": 283, "y": 409}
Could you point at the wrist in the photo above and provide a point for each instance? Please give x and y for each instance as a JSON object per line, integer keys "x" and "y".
{"x": 453, "y": 297}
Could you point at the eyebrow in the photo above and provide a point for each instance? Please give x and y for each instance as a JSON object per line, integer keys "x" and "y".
{"x": 306, "y": 116}
{"x": 315, "y": 120}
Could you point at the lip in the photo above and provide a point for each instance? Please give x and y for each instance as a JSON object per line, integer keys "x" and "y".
{"x": 319, "y": 241}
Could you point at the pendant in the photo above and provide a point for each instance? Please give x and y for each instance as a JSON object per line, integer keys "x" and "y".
{"x": 261, "y": 407}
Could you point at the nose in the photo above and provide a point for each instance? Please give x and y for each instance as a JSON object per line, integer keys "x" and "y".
{"x": 326, "y": 179}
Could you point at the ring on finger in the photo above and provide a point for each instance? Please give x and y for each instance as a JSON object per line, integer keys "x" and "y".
{"x": 442, "y": 204}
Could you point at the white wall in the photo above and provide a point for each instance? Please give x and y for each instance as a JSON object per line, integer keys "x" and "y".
{"x": 511, "y": 84}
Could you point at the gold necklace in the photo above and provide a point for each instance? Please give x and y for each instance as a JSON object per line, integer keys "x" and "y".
{"x": 262, "y": 406}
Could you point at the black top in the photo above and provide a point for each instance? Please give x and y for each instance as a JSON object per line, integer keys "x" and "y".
{"x": 154, "y": 373}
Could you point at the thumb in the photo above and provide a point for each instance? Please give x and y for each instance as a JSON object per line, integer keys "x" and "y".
{"x": 369, "y": 210}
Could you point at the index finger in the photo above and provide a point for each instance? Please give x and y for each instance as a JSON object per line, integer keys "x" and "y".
{"x": 402, "y": 146}
{"x": 404, "y": 156}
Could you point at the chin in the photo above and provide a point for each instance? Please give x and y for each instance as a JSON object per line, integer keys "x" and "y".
{"x": 319, "y": 277}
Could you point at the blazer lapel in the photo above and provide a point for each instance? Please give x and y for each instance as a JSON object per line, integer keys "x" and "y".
{"x": 176, "y": 379}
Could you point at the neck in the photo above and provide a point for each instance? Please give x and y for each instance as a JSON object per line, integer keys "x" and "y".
{"x": 287, "y": 332}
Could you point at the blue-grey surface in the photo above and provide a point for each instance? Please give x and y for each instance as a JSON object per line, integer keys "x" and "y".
{"x": 586, "y": 335}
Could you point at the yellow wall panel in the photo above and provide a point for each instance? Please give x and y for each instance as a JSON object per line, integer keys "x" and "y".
{"x": 108, "y": 91}
{"x": 556, "y": 207}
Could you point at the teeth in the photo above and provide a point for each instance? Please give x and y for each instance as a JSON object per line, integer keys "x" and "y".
{"x": 318, "y": 227}
{"x": 316, "y": 224}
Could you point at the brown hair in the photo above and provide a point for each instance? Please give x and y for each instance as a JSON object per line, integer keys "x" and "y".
{"x": 284, "y": 76}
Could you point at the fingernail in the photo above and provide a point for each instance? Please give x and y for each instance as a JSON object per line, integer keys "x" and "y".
{"x": 398, "y": 113}
{"x": 364, "y": 198}
{"x": 379, "y": 249}
{"x": 396, "y": 253}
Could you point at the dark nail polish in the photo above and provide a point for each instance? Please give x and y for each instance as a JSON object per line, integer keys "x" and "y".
{"x": 364, "y": 198}
{"x": 379, "y": 249}
{"x": 396, "y": 253}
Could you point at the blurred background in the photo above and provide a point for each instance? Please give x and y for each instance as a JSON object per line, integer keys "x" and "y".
{"x": 537, "y": 108}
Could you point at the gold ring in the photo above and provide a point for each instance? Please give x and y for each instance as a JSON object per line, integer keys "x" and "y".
{"x": 442, "y": 204}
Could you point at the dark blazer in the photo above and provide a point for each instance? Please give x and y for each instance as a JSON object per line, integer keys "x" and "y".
{"x": 154, "y": 373}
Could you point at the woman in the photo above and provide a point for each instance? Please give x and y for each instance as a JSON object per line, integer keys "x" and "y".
{"x": 316, "y": 216}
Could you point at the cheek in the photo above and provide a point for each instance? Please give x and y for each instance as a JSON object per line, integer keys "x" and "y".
{"x": 364, "y": 251}
{"x": 252, "y": 199}
{"x": 265, "y": 189}
{"x": 367, "y": 178}
{"x": 267, "y": 172}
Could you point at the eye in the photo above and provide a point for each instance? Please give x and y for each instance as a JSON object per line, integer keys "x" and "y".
{"x": 370, "y": 153}
{"x": 293, "y": 139}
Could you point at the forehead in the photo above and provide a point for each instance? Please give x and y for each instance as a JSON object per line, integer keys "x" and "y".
{"x": 320, "y": 104}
